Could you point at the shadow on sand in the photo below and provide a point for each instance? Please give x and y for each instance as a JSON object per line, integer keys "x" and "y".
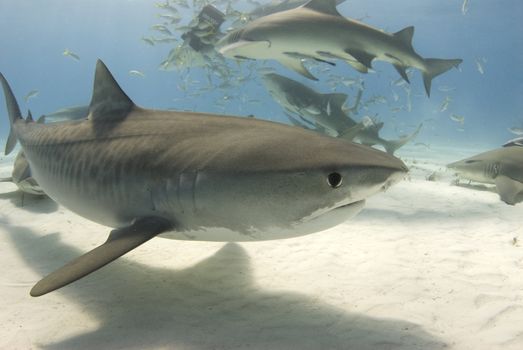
{"x": 215, "y": 304}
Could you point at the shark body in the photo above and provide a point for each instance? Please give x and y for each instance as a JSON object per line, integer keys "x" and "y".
{"x": 317, "y": 31}
{"x": 502, "y": 167}
{"x": 148, "y": 172}
{"x": 324, "y": 112}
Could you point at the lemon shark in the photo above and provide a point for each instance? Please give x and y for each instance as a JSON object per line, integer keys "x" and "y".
{"x": 502, "y": 167}
{"x": 191, "y": 176}
{"x": 317, "y": 31}
{"x": 324, "y": 112}
{"x": 21, "y": 176}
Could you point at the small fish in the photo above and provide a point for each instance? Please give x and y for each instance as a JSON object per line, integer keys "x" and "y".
{"x": 422, "y": 145}
{"x": 162, "y": 29}
{"x": 479, "y": 65}
{"x": 164, "y": 40}
{"x": 148, "y": 41}
{"x": 71, "y": 54}
{"x": 516, "y": 130}
{"x": 445, "y": 104}
{"x": 458, "y": 118}
{"x": 31, "y": 94}
{"x": 313, "y": 110}
{"x": 136, "y": 73}
{"x": 446, "y": 88}
{"x": 465, "y": 7}
{"x": 174, "y": 19}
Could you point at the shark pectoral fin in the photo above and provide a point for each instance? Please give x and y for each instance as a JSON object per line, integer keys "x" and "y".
{"x": 296, "y": 65}
{"x": 510, "y": 191}
{"x": 358, "y": 66}
{"x": 120, "y": 241}
{"x": 362, "y": 57}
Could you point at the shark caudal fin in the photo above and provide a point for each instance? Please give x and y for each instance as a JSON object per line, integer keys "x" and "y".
{"x": 13, "y": 111}
{"x": 392, "y": 146}
{"x": 435, "y": 67}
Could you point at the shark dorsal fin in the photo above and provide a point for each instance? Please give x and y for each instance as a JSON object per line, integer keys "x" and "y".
{"x": 108, "y": 100}
{"x": 323, "y": 6}
{"x": 405, "y": 35}
{"x": 29, "y": 117}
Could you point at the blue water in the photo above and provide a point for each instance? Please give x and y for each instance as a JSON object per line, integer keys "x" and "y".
{"x": 33, "y": 35}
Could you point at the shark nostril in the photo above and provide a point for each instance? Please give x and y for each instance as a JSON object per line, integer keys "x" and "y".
{"x": 334, "y": 180}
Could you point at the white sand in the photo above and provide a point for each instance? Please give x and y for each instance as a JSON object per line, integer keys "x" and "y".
{"x": 426, "y": 265}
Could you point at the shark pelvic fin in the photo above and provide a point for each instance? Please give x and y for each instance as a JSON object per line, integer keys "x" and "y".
{"x": 405, "y": 36}
{"x": 323, "y": 6}
{"x": 296, "y": 65}
{"x": 510, "y": 191}
{"x": 402, "y": 71}
{"x": 108, "y": 100}
{"x": 362, "y": 57}
{"x": 120, "y": 241}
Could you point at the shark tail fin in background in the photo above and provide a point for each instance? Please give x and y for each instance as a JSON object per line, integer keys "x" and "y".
{"x": 14, "y": 113}
{"x": 392, "y": 146}
{"x": 435, "y": 67}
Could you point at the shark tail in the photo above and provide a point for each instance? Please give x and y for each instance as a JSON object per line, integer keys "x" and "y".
{"x": 392, "y": 146}
{"x": 435, "y": 67}
{"x": 14, "y": 113}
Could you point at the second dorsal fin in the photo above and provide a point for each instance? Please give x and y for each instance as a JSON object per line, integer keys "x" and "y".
{"x": 108, "y": 100}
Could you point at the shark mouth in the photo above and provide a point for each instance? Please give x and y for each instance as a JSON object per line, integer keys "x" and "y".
{"x": 357, "y": 203}
{"x": 330, "y": 217}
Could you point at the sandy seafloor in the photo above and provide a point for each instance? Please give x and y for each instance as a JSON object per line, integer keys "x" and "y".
{"x": 426, "y": 265}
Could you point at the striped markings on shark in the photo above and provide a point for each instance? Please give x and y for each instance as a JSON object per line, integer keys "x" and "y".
{"x": 191, "y": 176}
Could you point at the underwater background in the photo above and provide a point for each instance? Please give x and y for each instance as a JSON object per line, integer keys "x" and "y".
{"x": 485, "y": 93}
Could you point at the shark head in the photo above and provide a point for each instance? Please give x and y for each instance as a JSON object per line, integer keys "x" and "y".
{"x": 237, "y": 44}
{"x": 280, "y": 90}
{"x": 477, "y": 168}
{"x": 275, "y": 188}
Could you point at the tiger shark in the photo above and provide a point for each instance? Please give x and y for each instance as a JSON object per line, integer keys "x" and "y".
{"x": 191, "y": 176}
{"x": 502, "y": 167}
{"x": 324, "y": 112}
{"x": 317, "y": 31}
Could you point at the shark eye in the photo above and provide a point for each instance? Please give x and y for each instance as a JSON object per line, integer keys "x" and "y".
{"x": 334, "y": 180}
